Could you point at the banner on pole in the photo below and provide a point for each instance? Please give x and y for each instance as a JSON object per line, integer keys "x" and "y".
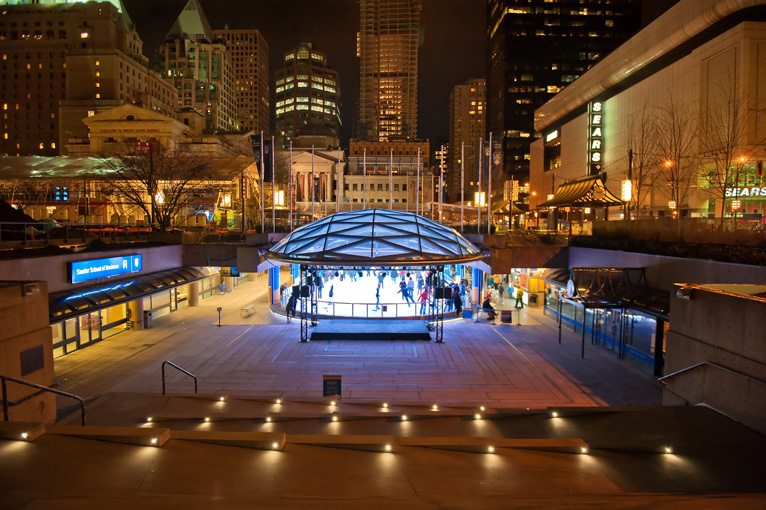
{"x": 264, "y": 166}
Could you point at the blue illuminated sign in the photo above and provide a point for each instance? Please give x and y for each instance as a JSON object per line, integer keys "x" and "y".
{"x": 85, "y": 270}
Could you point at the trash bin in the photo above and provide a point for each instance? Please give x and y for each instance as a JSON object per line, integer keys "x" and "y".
{"x": 147, "y": 319}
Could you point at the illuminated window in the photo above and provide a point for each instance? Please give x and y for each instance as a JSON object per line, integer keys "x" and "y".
{"x": 98, "y": 96}
{"x": 53, "y": 145}
{"x": 5, "y": 136}
{"x": 98, "y": 73}
{"x": 42, "y": 145}
{"x": 83, "y": 35}
{"x": 98, "y": 85}
{"x": 98, "y": 63}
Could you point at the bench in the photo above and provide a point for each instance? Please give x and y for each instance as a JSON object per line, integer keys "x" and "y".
{"x": 247, "y": 311}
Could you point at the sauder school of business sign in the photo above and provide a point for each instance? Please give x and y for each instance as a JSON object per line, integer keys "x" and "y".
{"x": 86, "y": 270}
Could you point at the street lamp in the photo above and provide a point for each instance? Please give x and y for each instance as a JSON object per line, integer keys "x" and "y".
{"x": 533, "y": 194}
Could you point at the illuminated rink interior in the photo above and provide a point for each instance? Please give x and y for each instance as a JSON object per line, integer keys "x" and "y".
{"x": 355, "y": 297}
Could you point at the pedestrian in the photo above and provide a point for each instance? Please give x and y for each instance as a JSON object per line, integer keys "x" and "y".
{"x": 320, "y": 285}
{"x": 332, "y": 290}
{"x": 501, "y": 291}
{"x": 519, "y": 296}
{"x": 411, "y": 290}
{"x": 487, "y": 307}
{"x": 291, "y": 304}
{"x": 377, "y": 297}
{"x": 423, "y": 300}
{"x": 381, "y": 278}
{"x": 421, "y": 284}
{"x": 458, "y": 304}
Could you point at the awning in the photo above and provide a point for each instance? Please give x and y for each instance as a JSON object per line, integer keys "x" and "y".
{"x": 501, "y": 206}
{"x": 63, "y": 305}
{"x": 612, "y": 288}
{"x": 587, "y": 192}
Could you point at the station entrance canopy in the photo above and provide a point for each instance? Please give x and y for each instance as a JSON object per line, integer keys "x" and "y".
{"x": 586, "y": 192}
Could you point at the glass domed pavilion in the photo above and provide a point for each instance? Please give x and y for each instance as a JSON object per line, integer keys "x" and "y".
{"x": 374, "y": 237}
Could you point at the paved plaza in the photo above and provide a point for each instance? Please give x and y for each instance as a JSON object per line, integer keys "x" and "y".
{"x": 249, "y": 451}
{"x": 503, "y": 366}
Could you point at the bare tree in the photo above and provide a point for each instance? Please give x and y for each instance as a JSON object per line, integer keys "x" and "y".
{"x": 642, "y": 143}
{"x": 724, "y": 133}
{"x": 676, "y": 138}
{"x": 157, "y": 179}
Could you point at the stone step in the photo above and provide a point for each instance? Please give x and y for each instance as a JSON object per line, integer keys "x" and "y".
{"x": 129, "y": 435}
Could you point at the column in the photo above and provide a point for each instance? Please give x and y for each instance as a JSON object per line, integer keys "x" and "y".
{"x": 136, "y": 309}
{"x": 274, "y": 285}
{"x": 477, "y": 276}
{"x": 193, "y": 293}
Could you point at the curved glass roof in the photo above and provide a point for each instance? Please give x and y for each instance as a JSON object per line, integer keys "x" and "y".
{"x": 374, "y": 237}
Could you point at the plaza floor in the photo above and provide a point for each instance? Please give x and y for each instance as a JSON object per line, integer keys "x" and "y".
{"x": 216, "y": 455}
{"x": 505, "y": 366}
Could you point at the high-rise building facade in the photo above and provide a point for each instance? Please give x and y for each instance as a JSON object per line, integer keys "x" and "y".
{"x": 467, "y": 124}
{"x": 249, "y": 55}
{"x": 199, "y": 67}
{"x": 307, "y": 96}
{"x": 387, "y": 46}
{"x": 61, "y": 62}
{"x": 536, "y": 48}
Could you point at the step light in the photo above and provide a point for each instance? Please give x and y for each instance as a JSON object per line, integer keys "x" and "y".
{"x": 221, "y": 399}
{"x": 477, "y": 416}
{"x": 334, "y": 417}
{"x": 490, "y": 449}
{"x": 482, "y": 408}
{"x": 405, "y": 417}
{"x": 387, "y": 447}
{"x": 149, "y": 419}
{"x": 385, "y": 405}
{"x": 584, "y": 450}
{"x": 24, "y": 435}
{"x": 275, "y": 445}
{"x": 667, "y": 449}
{"x": 434, "y": 407}
{"x": 278, "y": 401}
{"x": 268, "y": 419}
{"x": 554, "y": 414}
{"x": 153, "y": 441}
{"x": 207, "y": 419}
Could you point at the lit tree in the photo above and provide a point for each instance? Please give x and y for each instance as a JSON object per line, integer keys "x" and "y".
{"x": 642, "y": 142}
{"x": 157, "y": 179}
{"x": 724, "y": 133}
{"x": 676, "y": 139}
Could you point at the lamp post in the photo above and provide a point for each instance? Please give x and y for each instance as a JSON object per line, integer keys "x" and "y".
{"x": 537, "y": 213}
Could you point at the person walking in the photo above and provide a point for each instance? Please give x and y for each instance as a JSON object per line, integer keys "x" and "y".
{"x": 501, "y": 291}
{"x": 458, "y": 303}
{"x": 519, "y": 296}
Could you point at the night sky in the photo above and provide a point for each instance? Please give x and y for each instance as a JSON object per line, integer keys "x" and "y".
{"x": 454, "y": 47}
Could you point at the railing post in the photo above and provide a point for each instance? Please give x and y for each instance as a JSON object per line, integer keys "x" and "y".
{"x": 5, "y": 400}
{"x": 163, "y": 377}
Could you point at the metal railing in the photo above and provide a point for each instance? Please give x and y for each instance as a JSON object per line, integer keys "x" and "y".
{"x": 4, "y": 380}
{"x": 691, "y": 368}
{"x": 68, "y": 232}
{"x": 369, "y": 310}
{"x": 179, "y": 369}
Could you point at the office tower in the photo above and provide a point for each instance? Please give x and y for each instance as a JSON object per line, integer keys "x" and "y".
{"x": 467, "y": 124}
{"x": 536, "y": 48}
{"x": 249, "y": 55}
{"x": 307, "y": 97}
{"x": 387, "y": 46}
{"x": 199, "y": 67}
{"x": 61, "y": 62}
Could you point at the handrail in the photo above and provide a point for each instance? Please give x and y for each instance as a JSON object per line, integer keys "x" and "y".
{"x": 166, "y": 362}
{"x": 5, "y": 378}
{"x": 690, "y": 368}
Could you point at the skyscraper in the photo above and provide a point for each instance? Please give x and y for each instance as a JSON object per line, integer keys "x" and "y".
{"x": 249, "y": 55}
{"x": 537, "y": 47}
{"x": 467, "y": 124}
{"x": 387, "y": 46}
{"x": 61, "y": 62}
{"x": 198, "y": 65}
{"x": 307, "y": 96}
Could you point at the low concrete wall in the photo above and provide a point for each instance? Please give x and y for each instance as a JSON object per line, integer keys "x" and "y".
{"x": 662, "y": 271}
{"x": 26, "y": 336}
{"x": 727, "y": 330}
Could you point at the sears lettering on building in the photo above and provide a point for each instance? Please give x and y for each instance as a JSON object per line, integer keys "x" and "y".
{"x": 746, "y": 192}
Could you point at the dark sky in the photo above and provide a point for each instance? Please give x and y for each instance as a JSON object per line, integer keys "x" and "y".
{"x": 453, "y": 50}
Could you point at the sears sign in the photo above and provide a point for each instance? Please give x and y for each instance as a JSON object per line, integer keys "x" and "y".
{"x": 85, "y": 270}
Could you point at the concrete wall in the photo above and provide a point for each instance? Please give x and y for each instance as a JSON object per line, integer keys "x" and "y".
{"x": 24, "y": 320}
{"x": 54, "y": 269}
{"x": 662, "y": 272}
{"x": 723, "y": 329}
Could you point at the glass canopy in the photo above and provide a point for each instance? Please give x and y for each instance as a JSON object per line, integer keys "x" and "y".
{"x": 374, "y": 237}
